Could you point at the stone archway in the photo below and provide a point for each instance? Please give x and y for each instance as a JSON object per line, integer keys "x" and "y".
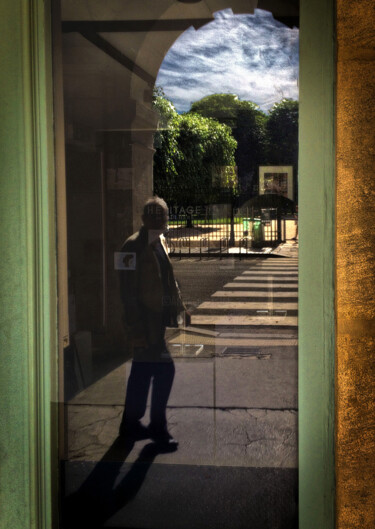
{"x": 112, "y": 54}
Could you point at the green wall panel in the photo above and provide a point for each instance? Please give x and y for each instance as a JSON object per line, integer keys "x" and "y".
{"x": 316, "y": 259}
{"x": 14, "y": 379}
{"x": 28, "y": 294}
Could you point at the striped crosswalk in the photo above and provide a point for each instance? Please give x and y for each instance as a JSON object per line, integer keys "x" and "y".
{"x": 258, "y": 308}
{"x": 248, "y": 305}
{"x": 252, "y": 294}
{"x": 282, "y": 285}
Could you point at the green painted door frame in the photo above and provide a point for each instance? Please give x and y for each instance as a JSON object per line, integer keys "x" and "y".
{"x": 317, "y": 262}
{"x": 28, "y": 340}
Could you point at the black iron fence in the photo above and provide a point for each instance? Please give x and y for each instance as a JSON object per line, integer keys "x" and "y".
{"x": 222, "y": 230}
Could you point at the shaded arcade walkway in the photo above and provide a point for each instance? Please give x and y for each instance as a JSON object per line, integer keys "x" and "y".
{"x": 235, "y": 416}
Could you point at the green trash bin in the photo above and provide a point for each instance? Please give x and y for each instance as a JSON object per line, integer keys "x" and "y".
{"x": 258, "y": 233}
{"x": 246, "y": 225}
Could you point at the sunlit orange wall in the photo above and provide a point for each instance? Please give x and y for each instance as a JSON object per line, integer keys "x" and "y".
{"x": 355, "y": 355}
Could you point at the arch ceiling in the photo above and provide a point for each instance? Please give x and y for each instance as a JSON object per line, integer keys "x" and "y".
{"x": 113, "y": 50}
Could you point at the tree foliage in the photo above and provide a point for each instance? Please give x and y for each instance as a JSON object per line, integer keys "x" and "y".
{"x": 222, "y": 107}
{"x": 282, "y": 133}
{"x": 282, "y": 136}
{"x": 248, "y": 128}
{"x": 165, "y": 144}
{"x": 219, "y": 132}
{"x": 190, "y": 149}
{"x": 164, "y": 108}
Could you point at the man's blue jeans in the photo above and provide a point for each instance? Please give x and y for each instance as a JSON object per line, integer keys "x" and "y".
{"x": 161, "y": 374}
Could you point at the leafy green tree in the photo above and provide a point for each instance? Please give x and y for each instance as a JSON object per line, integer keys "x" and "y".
{"x": 282, "y": 132}
{"x": 207, "y": 147}
{"x": 282, "y": 135}
{"x": 190, "y": 151}
{"x": 164, "y": 108}
{"x": 248, "y": 128}
{"x": 165, "y": 143}
{"x": 222, "y": 107}
{"x": 250, "y": 134}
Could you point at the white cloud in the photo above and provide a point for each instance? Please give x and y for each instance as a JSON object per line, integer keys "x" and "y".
{"x": 253, "y": 56}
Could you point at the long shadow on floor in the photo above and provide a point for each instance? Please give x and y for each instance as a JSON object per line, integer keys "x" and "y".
{"x": 145, "y": 494}
{"x": 100, "y": 496}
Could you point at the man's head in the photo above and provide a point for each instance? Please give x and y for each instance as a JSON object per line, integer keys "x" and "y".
{"x": 155, "y": 214}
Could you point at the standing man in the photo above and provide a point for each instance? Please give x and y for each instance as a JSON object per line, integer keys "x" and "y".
{"x": 152, "y": 302}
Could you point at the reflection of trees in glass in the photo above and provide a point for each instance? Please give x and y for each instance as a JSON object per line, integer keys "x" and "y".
{"x": 248, "y": 128}
{"x": 188, "y": 148}
{"x": 282, "y": 135}
{"x": 220, "y": 131}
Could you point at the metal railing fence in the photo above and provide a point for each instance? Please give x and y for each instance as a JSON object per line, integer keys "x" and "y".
{"x": 221, "y": 229}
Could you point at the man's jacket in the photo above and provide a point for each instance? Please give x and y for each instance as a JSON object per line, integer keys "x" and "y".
{"x": 145, "y": 301}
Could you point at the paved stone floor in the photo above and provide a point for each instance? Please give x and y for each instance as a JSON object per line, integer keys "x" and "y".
{"x": 233, "y": 408}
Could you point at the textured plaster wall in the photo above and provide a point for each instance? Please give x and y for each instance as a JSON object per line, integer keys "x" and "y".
{"x": 14, "y": 455}
{"x": 355, "y": 359}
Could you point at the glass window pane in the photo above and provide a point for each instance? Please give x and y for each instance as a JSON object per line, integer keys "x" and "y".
{"x": 180, "y": 379}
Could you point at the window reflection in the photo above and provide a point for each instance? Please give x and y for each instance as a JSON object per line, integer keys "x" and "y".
{"x": 180, "y": 382}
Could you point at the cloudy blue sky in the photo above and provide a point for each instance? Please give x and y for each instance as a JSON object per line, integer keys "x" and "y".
{"x": 253, "y": 56}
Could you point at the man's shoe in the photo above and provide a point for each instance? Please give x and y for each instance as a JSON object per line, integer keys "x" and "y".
{"x": 133, "y": 431}
{"x": 162, "y": 437}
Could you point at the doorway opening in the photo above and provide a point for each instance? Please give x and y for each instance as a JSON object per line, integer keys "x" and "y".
{"x": 233, "y": 405}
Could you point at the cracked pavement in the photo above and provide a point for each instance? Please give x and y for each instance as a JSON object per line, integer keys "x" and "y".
{"x": 235, "y": 417}
{"x": 224, "y": 410}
